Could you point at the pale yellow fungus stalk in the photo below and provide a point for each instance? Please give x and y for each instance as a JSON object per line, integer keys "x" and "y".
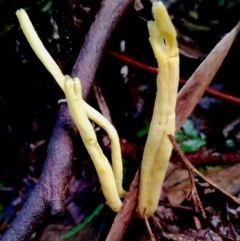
{"x": 39, "y": 48}
{"x": 158, "y": 147}
{"x": 115, "y": 145}
{"x": 93, "y": 114}
{"x": 75, "y": 104}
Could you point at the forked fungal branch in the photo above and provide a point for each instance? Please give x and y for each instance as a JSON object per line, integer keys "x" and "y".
{"x": 75, "y": 104}
{"x": 93, "y": 114}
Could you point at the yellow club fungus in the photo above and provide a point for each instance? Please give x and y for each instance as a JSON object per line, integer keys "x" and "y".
{"x": 158, "y": 147}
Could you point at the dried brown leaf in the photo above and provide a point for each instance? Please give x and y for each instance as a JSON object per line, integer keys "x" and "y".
{"x": 227, "y": 179}
{"x": 191, "y": 52}
{"x": 195, "y": 87}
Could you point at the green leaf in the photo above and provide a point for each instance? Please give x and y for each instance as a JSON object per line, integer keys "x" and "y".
{"x": 202, "y": 169}
{"x": 230, "y": 143}
{"x": 181, "y": 7}
{"x": 180, "y": 136}
{"x": 189, "y": 129}
{"x": 25, "y": 61}
{"x": 143, "y": 131}
{"x": 193, "y": 14}
{"x": 193, "y": 27}
{"x": 192, "y": 145}
{"x": 189, "y": 138}
{"x": 82, "y": 225}
{"x": 202, "y": 136}
{"x": 46, "y": 7}
{"x": 221, "y": 3}
{"x": 6, "y": 28}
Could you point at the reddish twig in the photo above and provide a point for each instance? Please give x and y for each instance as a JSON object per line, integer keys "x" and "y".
{"x": 196, "y": 200}
{"x": 210, "y": 91}
{"x": 49, "y": 191}
{"x": 152, "y": 238}
{"x": 134, "y": 62}
{"x": 214, "y": 158}
{"x": 197, "y": 204}
{"x": 193, "y": 169}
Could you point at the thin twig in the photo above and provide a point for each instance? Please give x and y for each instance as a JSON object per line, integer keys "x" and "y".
{"x": 196, "y": 200}
{"x": 197, "y": 222}
{"x": 101, "y": 102}
{"x": 148, "y": 227}
{"x": 209, "y": 90}
{"x": 193, "y": 169}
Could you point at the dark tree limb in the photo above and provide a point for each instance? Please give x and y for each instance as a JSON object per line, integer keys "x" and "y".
{"x": 95, "y": 41}
{"x": 48, "y": 194}
{"x": 70, "y": 30}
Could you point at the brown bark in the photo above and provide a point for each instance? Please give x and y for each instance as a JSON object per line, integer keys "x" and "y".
{"x": 90, "y": 55}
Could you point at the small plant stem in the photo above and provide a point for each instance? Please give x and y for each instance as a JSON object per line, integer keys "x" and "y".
{"x": 193, "y": 169}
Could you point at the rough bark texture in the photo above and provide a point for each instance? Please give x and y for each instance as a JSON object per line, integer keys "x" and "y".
{"x": 48, "y": 194}
{"x": 95, "y": 41}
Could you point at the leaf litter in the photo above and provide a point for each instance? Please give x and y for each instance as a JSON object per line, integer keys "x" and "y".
{"x": 168, "y": 220}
